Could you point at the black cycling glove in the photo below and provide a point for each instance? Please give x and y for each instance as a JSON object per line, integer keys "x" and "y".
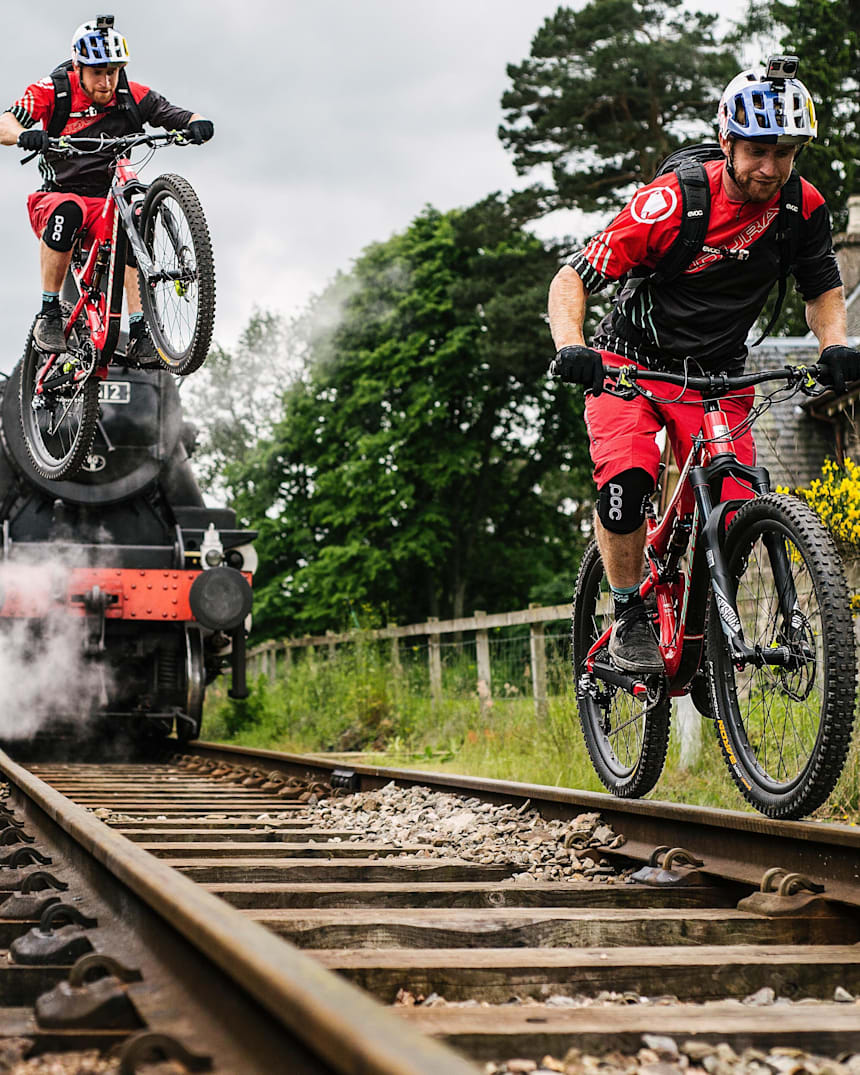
{"x": 579, "y": 365}
{"x": 201, "y": 130}
{"x": 35, "y": 141}
{"x": 839, "y": 365}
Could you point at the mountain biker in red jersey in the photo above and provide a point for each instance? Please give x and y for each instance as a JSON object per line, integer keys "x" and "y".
{"x": 101, "y": 102}
{"x": 698, "y": 321}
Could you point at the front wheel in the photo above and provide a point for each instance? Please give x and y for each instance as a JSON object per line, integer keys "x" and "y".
{"x": 626, "y": 738}
{"x": 785, "y": 729}
{"x": 59, "y": 422}
{"x": 179, "y": 298}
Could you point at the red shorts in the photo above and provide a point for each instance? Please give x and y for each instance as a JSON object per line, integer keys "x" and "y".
{"x": 622, "y": 432}
{"x": 41, "y": 204}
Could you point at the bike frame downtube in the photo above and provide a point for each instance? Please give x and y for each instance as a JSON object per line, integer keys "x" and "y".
{"x": 129, "y": 222}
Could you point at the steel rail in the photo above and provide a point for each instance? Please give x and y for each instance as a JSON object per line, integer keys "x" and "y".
{"x": 338, "y": 1022}
{"x": 734, "y": 845}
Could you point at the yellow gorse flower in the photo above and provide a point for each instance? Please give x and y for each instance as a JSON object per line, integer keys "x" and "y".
{"x": 835, "y": 496}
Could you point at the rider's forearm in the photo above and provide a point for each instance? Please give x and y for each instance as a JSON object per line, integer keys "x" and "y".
{"x": 566, "y": 308}
{"x": 10, "y": 128}
{"x": 825, "y": 315}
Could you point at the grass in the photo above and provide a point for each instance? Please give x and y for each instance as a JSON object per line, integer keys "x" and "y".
{"x": 358, "y": 701}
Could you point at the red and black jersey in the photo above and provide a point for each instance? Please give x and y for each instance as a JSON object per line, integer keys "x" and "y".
{"x": 90, "y": 175}
{"x": 707, "y": 311}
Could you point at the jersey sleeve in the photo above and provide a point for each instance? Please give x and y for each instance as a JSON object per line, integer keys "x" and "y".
{"x": 641, "y": 233}
{"x": 157, "y": 110}
{"x": 815, "y": 267}
{"x": 35, "y": 104}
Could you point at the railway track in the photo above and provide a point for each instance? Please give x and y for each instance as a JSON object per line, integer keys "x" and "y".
{"x": 234, "y": 881}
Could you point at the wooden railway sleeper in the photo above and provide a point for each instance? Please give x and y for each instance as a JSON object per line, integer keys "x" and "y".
{"x": 659, "y": 869}
{"x": 82, "y": 1002}
{"x": 46, "y": 946}
{"x": 148, "y": 1046}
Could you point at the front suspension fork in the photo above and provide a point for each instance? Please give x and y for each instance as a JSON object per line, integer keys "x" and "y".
{"x": 713, "y": 523}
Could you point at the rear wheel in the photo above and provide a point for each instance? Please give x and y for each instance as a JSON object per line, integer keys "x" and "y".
{"x": 179, "y": 299}
{"x": 59, "y": 422}
{"x": 625, "y": 736}
{"x": 785, "y": 729}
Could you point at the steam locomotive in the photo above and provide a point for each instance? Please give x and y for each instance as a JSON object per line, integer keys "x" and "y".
{"x": 159, "y": 584}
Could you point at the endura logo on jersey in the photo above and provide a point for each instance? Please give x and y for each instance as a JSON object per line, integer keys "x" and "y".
{"x": 739, "y": 245}
{"x": 651, "y": 206}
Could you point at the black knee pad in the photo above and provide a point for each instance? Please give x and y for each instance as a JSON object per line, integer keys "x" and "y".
{"x": 621, "y": 501}
{"x": 130, "y": 259}
{"x": 63, "y": 225}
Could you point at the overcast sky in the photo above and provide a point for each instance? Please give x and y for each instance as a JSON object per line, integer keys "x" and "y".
{"x": 336, "y": 122}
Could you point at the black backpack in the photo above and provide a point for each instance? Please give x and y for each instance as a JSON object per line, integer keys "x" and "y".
{"x": 688, "y": 165}
{"x": 63, "y": 100}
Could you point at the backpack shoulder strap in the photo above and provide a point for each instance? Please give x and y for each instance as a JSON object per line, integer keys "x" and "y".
{"x": 62, "y": 99}
{"x": 788, "y": 224}
{"x": 126, "y": 100}
{"x": 695, "y": 212}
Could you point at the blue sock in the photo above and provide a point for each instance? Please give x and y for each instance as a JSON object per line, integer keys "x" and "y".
{"x": 50, "y": 301}
{"x": 625, "y": 597}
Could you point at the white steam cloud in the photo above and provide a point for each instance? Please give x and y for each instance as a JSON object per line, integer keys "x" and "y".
{"x": 45, "y": 673}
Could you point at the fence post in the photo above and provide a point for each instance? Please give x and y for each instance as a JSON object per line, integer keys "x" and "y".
{"x": 395, "y": 653}
{"x": 537, "y": 648}
{"x": 332, "y": 645}
{"x": 482, "y": 654}
{"x": 264, "y": 662}
{"x": 434, "y": 655}
{"x": 288, "y": 660}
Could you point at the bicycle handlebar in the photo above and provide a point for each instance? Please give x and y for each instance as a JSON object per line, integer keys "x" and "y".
{"x": 82, "y": 144}
{"x": 714, "y": 384}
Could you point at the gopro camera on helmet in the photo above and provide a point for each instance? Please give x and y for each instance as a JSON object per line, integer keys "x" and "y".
{"x": 779, "y": 68}
{"x": 105, "y": 22}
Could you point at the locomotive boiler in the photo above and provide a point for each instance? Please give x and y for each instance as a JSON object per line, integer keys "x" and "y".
{"x": 157, "y": 583}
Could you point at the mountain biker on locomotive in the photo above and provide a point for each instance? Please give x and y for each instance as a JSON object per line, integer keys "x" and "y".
{"x": 698, "y": 320}
{"x": 88, "y": 95}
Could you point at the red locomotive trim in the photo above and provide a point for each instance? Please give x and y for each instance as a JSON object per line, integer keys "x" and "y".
{"x": 30, "y": 591}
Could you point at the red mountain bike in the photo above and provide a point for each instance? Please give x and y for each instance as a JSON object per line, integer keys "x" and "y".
{"x": 752, "y": 617}
{"x": 166, "y": 229}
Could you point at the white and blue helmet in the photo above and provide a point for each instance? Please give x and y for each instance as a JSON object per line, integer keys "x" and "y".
{"x": 97, "y": 43}
{"x": 755, "y": 107}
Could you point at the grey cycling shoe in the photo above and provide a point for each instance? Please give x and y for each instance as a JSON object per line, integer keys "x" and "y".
{"x": 141, "y": 351}
{"x": 633, "y": 644}
{"x": 48, "y": 333}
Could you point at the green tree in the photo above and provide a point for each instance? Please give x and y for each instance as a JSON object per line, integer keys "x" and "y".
{"x": 606, "y": 93}
{"x": 423, "y": 464}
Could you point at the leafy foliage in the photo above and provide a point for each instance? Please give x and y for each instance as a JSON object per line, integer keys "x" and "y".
{"x": 606, "y": 93}
{"x": 422, "y": 454}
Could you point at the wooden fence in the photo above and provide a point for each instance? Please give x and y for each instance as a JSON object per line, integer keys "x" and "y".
{"x": 264, "y": 659}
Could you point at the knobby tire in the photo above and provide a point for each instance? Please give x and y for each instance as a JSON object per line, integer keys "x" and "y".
{"x": 785, "y": 733}
{"x": 56, "y": 456}
{"x": 626, "y": 742}
{"x": 180, "y": 323}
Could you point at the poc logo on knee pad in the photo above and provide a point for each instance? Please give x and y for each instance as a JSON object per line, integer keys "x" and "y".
{"x": 621, "y": 501}
{"x": 616, "y": 504}
{"x": 57, "y": 232}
